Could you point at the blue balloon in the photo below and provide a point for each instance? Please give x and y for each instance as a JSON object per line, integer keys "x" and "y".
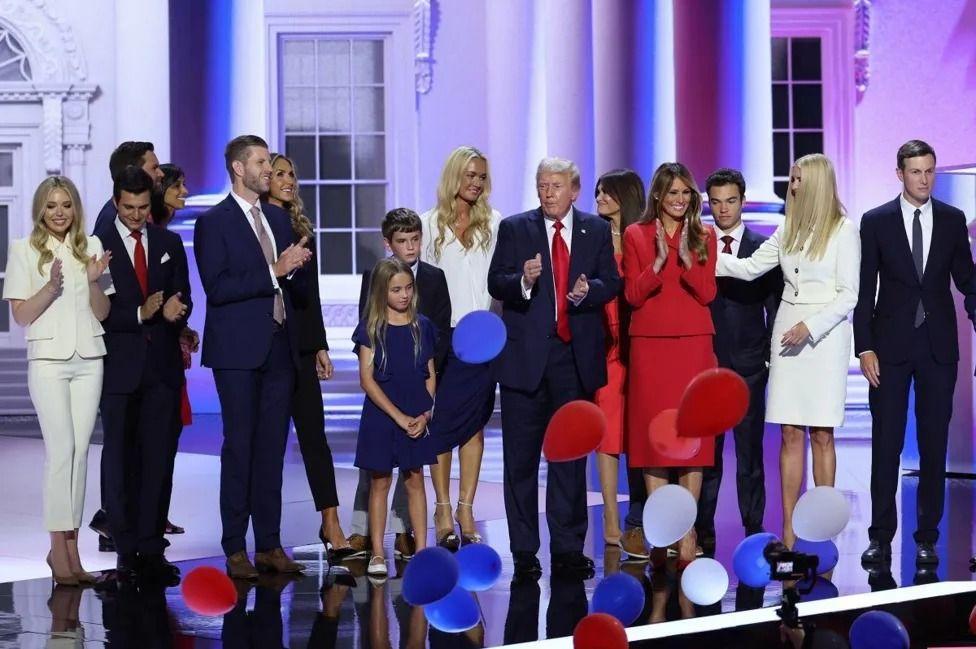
{"x": 479, "y": 566}
{"x": 822, "y": 589}
{"x": 430, "y": 576}
{"x": 748, "y": 562}
{"x": 479, "y": 337}
{"x": 456, "y": 612}
{"x": 619, "y": 595}
{"x": 878, "y": 630}
{"x": 825, "y": 550}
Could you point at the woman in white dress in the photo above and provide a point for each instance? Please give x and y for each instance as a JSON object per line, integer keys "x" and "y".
{"x": 819, "y": 251}
{"x": 459, "y": 238}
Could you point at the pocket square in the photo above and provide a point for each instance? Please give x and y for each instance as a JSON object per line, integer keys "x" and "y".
{"x": 165, "y": 258}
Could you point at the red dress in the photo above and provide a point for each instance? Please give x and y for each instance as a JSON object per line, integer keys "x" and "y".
{"x": 670, "y": 340}
{"x": 610, "y": 397}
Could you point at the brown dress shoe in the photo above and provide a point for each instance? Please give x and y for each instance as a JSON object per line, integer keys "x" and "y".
{"x": 633, "y": 543}
{"x": 276, "y": 561}
{"x": 404, "y": 546}
{"x": 240, "y": 567}
{"x": 360, "y": 544}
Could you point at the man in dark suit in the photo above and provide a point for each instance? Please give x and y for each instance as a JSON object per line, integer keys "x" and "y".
{"x": 743, "y": 313}
{"x": 143, "y": 374}
{"x": 129, "y": 154}
{"x": 403, "y": 236}
{"x": 553, "y": 270}
{"x": 907, "y": 334}
{"x": 247, "y": 255}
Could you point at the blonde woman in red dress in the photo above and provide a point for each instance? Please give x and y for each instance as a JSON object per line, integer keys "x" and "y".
{"x": 669, "y": 280}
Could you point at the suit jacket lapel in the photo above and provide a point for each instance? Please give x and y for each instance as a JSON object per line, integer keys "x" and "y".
{"x": 154, "y": 259}
{"x": 896, "y": 224}
{"x": 580, "y": 250}
{"x": 244, "y": 230}
{"x": 121, "y": 265}
{"x": 938, "y": 237}
{"x": 747, "y": 245}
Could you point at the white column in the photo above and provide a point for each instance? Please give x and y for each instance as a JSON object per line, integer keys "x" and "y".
{"x": 756, "y": 100}
{"x": 249, "y": 70}
{"x": 142, "y": 74}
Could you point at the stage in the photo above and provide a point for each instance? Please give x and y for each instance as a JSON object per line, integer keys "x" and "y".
{"x": 323, "y": 609}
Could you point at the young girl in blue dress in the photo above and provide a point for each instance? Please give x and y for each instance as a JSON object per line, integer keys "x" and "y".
{"x": 395, "y": 345}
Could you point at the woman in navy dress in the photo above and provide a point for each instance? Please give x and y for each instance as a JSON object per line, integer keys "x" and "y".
{"x": 395, "y": 346}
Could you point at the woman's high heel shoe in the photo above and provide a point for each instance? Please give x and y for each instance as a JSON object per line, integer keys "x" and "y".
{"x": 467, "y": 538}
{"x": 336, "y": 554}
{"x": 61, "y": 580}
{"x": 447, "y": 539}
{"x": 82, "y": 575}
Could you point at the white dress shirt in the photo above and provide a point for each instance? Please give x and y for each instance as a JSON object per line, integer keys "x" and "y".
{"x": 567, "y": 234}
{"x": 466, "y": 269}
{"x": 246, "y": 208}
{"x": 736, "y": 234}
{"x": 130, "y": 247}
{"x": 925, "y": 218}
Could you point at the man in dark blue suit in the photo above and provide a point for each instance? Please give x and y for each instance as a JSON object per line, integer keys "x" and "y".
{"x": 129, "y": 154}
{"x": 904, "y": 333}
{"x": 250, "y": 263}
{"x": 553, "y": 270}
{"x": 743, "y": 313}
{"x": 150, "y": 298}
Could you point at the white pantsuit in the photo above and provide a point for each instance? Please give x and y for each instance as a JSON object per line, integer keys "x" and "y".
{"x": 64, "y": 375}
{"x": 808, "y": 383}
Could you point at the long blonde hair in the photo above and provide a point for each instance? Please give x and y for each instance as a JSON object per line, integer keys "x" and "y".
{"x": 75, "y": 236}
{"x": 815, "y": 213}
{"x": 300, "y": 223}
{"x": 376, "y": 315}
{"x": 479, "y": 217}
{"x": 661, "y": 183}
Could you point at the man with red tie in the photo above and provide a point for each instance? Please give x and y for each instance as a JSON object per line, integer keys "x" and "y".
{"x": 553, "y": 270}
{"x": 150, "y": 298}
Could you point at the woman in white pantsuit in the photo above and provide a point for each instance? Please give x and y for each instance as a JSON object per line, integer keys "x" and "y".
{"x": 52, "y": 283}
{"x": 819, "y": 251}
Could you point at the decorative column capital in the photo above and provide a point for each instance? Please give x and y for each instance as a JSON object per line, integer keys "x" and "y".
{"x": 862, "y": 45}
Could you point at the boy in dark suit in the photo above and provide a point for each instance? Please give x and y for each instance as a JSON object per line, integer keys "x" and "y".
{"x": 403, "y": 236}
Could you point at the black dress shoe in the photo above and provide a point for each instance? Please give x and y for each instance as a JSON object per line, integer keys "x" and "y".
{"x": 880, "y": 577}
{"x": 527, "y": 566}
{"x": 575, "y": 563}
{"x": 106, "y": 544}
{"x": 877, "y": 552}
{"x": 156, "y": 569}
{"x": 99, "y": 524}
{"x": 925, "y": 553}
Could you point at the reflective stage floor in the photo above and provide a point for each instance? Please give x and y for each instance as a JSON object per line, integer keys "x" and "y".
{"x": 322, "y": 609}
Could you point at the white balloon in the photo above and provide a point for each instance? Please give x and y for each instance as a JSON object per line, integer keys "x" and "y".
{"x": 668, "y": 515}
{"x": 821, "y": 514}
{"x": 705, "y": 581}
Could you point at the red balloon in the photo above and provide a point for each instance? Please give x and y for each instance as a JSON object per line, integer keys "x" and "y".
{"x": 208, "y": 591}
{"x": 665, "y": 440}
{"x": 574, "y": 431}
{"x": 599, "y": 631}
{"x": 715, "y": 401}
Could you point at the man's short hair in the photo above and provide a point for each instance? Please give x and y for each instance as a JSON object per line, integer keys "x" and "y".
{"x": 128, "y": 154}
{"x": 237, "y": 150}
{"x": 400, "y": 219}
{"x": 559, "y": 166}
{"x": 726, "y": 176}
{"x": 132, "y": 179}
{"x": 914, "y": 149}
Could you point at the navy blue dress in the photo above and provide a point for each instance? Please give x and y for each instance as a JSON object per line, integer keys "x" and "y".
{"x": 382, "y": 444}
{"x": 465, "y": 402}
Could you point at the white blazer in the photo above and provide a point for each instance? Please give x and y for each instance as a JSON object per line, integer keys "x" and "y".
{"x": 832, "y": 281}
{"x": 68, "y": 325}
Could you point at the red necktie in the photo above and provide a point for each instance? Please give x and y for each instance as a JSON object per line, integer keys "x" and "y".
{"x": 727, "y": 248}
{"x": 139, "y": 263}
{"x": 560, "y": 274}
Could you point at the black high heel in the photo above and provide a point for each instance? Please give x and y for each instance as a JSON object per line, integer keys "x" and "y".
{"x": 336, "y": 554}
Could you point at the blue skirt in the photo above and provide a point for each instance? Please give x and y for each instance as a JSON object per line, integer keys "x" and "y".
{"x": 463, "y": 404}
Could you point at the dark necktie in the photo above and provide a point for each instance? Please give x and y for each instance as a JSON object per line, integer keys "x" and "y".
{"x": 727, "y": 248}
{"x": 560, "y": 275}
{"x": 266, "y": 248}
{"x": 139, "y": 263}
{"x": 917, "y": 257}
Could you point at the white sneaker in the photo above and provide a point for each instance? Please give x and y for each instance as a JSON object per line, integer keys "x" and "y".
{"x": 377, "y": 566}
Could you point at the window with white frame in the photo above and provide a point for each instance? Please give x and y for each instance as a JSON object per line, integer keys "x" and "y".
{"x": 798, "y": 105}
{"x": 333, "y": 125}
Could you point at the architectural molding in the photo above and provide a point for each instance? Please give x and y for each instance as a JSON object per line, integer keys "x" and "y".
{"x": 422, "y": 35}
{"x": 862, "y": 44}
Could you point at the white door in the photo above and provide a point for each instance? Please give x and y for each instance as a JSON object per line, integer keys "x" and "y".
{"x": 11, "y": 227}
